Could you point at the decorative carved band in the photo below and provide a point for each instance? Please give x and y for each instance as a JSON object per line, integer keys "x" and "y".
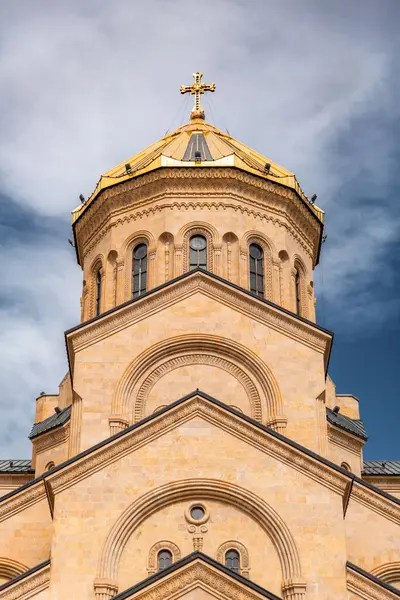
{"x": 366, "y": 589}
{"x": 199, "y": 359}
{"x": 28, "y": 586}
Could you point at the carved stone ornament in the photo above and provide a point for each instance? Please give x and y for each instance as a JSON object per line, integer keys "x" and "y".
{"x": 224, "y": 189}
{"x": 243, "y": 553}
{"x": 22, "y": 500}
{"x": 152, "y": 566}
{"x": 345, "y": 440}
{"x": 366, "y": 589}
{"x": 29, "y": 586}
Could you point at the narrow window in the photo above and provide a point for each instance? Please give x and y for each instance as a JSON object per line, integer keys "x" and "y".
{"x": 198, "y": 252}
{"x": 98, "y": 293}
{"x": 139, "y": 270}
{"x": 298, "y": 291}
{"x": 164, "y": 559}
{"x": 232, "y": 560}
{"x": 256, "y": 270}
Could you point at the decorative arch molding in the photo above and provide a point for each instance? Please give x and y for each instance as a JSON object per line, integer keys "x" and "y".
{"x": 142, "y": 236}
{"x": 388, "y": 572}
{"x": 193, "y": 489}
{"x": 213, "y": 244}
{"x": 243, "y": 553}
{"x": 270, "y": 258}
{"x": 298, "y": 265}
{"x": 152, "y": 566}
{"x": 200, "y": 359}
{"x": 97, "y": 266}
{"x": 10, "y": 568}
{"x": 217, "y": 346}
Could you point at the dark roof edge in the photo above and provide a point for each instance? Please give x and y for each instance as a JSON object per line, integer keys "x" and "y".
{"x": 342, "y": 427}
{"x": 187, "y": 560}
{"x": 373, "y": 578}
{"x": 54, "y": 416}
{"x": 30, "y": 472}
{"x": 19, "y": 578}
{"x": 250, "y": 420}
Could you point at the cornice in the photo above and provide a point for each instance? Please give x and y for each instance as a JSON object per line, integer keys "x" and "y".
{"x": 368, "y": 587}
{"x": 186, "y": 188}
{"x": 263, "y": 311}
{"x": 345, "y": 440}
{"x": 379, "y": 503}
{"x": 390, "y": 483}
{"x": 27, "y": 585}
{"x": 11, "y": 481}
{"x": 52, "y": 438}
{"x": 19, "y": 500}
{"x": 229, "y": 420}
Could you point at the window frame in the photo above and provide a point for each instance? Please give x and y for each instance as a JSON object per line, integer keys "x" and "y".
{"x": 142, "y": 271}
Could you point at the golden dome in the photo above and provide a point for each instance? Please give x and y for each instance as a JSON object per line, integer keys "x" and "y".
{"x": 197, "y": 144}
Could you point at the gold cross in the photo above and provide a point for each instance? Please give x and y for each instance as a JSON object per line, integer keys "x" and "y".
{"x": 197, "y": 88}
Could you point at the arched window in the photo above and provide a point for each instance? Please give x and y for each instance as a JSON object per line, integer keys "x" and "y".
{"x": 49, "y": 466}
{"x": 164, "y": 559}
{"x": 139, "y": 270}
{"x": 256, "y": 270}
{"x": 297, "y": 291}
{"x": 98, "y": 293}
{"x": 198, "y": 252}
{"x": 232, "y": 560}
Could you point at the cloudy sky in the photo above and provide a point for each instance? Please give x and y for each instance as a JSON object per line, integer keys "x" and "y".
{"x": 314, "y": 85}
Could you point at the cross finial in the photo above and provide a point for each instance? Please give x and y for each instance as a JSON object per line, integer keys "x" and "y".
{"x": 197, "y": 88}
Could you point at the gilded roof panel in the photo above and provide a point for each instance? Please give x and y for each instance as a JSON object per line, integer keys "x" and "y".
{"x": 180, "y": 146}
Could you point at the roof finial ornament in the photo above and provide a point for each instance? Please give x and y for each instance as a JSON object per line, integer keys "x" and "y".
{"x": 197, "y": 88}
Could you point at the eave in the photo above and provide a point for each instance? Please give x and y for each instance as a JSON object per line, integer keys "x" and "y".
{"x": 315, "y": 212}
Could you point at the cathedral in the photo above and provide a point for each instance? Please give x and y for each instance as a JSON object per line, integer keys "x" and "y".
{"x": 197, "y": 448}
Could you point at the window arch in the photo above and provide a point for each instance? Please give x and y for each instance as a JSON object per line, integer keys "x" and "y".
{"x": 256, "y": 261}
{"x": 345, "y": 466}
{"x": 49, "y": 466}
{"x": 98, "y": 293}
{"x": 139, "y": 270}
{"x": 197, "y": 252}
{"x": 232, "y": 560}
{"x": 155, "y": 552}
{"x": 164, "y": 559}
{"x": 239, "y": 559}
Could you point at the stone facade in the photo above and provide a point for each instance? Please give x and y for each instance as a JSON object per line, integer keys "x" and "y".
{"x": 198, "y": 395}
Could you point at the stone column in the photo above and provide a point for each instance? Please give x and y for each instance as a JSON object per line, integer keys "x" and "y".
{"x": 229, "y": 260}
{"x": 294, "y": 589}
{"x": 167, "y": 259}
{"x": 217, "y": 259}
{"x": 117, "y": 423}
{"x": 243, "y": 275}
{"x": 151, "y": 271}
{"x": 104, "y": 589}
{"x": 276, "y": 282}
{"x": 74, "y": 445}
{"x": 178, "y": 269}
{"x": 119, "y": 281}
